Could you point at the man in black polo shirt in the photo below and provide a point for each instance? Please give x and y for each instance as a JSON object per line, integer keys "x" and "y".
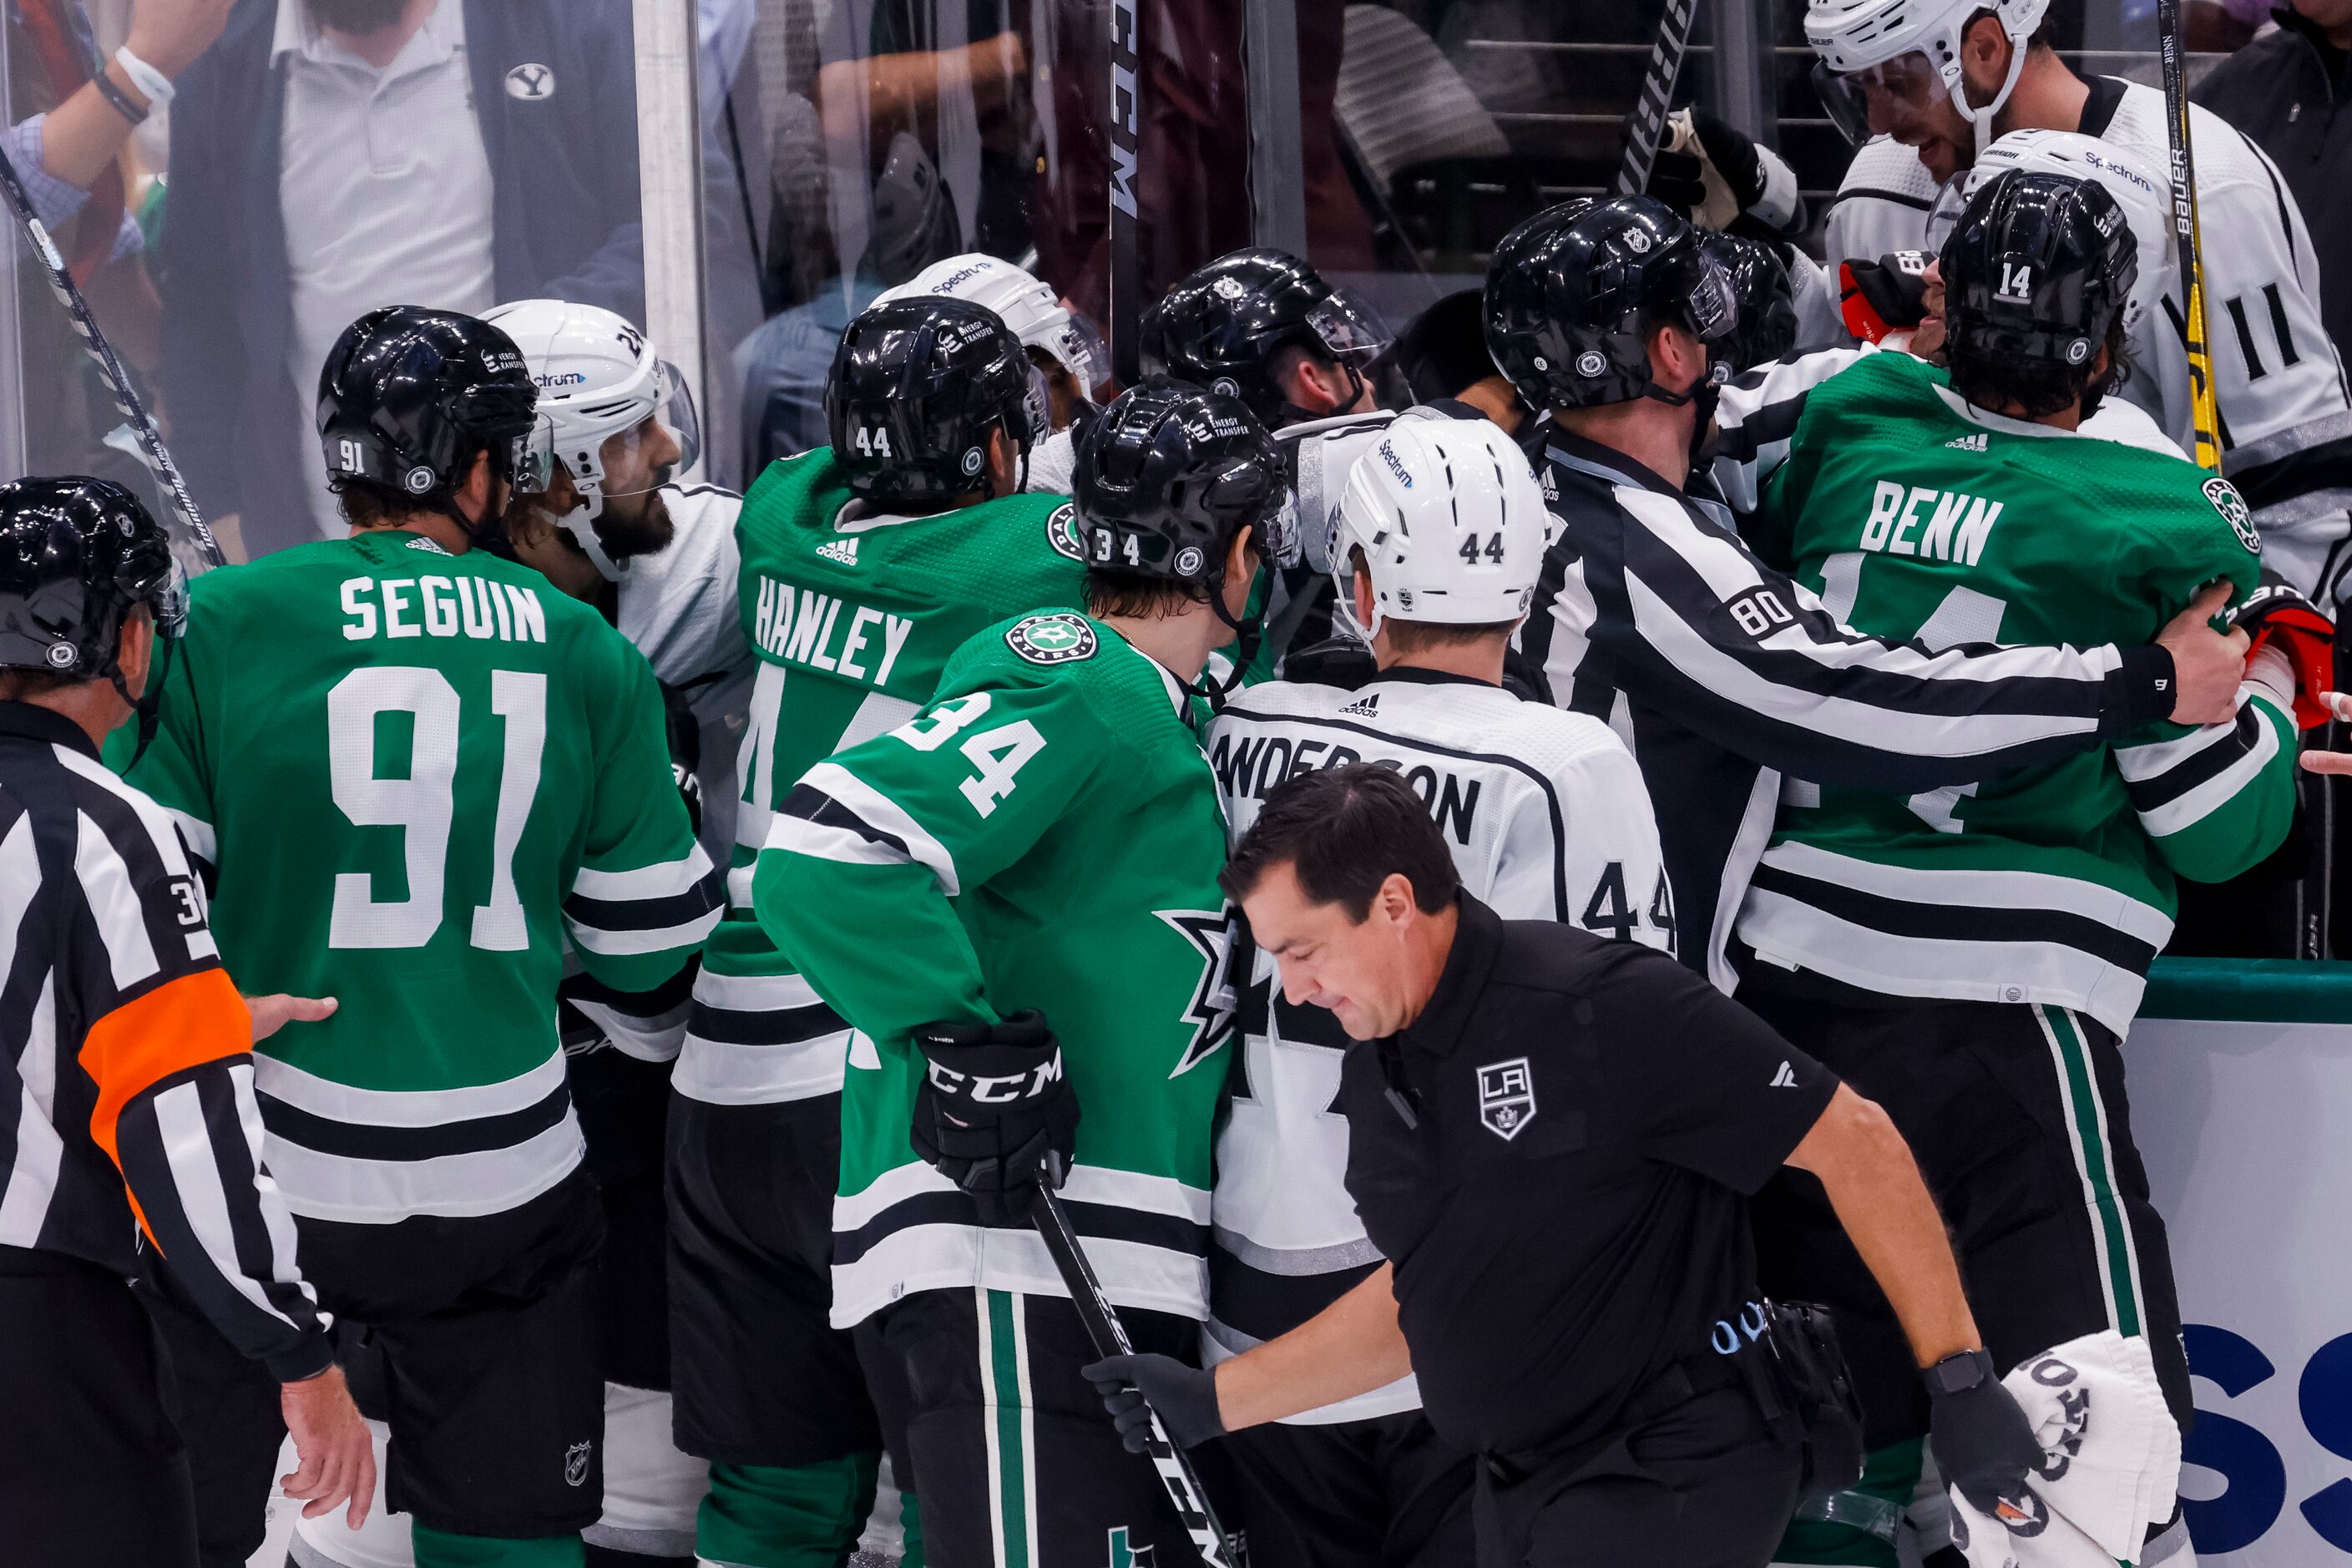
{"x": 1551, "y": 1138}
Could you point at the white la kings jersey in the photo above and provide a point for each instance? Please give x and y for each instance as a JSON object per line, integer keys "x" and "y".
{"x": 1547, "y": 820}
{"x": 678, "y": 607}
{"x": 2286, "y": 417}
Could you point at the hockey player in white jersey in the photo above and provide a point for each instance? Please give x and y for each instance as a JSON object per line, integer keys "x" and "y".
{"x": 1073, "y": 357}
{"x": 658, "y": 560}
{"x": 1437, "y": 543}
{"x": 1936, "y": 82}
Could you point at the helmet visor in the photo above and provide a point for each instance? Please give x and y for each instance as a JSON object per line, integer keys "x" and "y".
{"x": 1279, "y": 534}
{"x": 664, "y": 443}
{"x": 1082, "y": 354}
{"x": 1883, "y": 98}
{"x": 1714, "y": 305}
{"x": 1350, "y": 330}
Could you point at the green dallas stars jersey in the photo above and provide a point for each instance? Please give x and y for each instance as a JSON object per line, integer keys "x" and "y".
{"x": 413, "y": 775}
{"x": 852, "y": 614}
{"x": 1912, "y": 515}
{"x": 1046, "y": 835}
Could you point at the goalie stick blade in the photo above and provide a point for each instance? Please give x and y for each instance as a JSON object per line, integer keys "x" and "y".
{"x": 1645, "y": 127}
{"x": 1109, "y": 1336}
{"x": 192, "y": 540}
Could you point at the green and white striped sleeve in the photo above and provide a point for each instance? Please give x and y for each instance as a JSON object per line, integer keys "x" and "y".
{"x": 645, "y": 894}
{"x": 867, "y": 854}
{"x": 2215, "y": 799}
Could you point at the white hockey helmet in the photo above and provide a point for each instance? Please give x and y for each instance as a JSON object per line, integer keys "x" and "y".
{"x": 598, "y": 377}
{"x": 1860, "y": 39}
{"x": 1451, "y": 523}
{"x": 1029, "y": 308}
{"x": 2137, "y": 185}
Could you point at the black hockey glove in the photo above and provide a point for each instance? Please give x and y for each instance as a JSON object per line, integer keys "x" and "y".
{"x": 1133, "y": 1386}
{"x": 1888, "y": 295}
{"x": 995, "y": 1115}
{"x": 2276, "y": 614}
{"x": 1756, "y": 192}
{"x": 1982, "y": 1443}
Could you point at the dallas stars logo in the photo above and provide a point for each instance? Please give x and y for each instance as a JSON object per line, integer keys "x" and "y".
{"x": 1051, "y": 639}
{"x": 1211, "y": 1011}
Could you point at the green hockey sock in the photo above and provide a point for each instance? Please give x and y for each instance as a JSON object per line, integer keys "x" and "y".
{"x": 911, "y": 1523}
{"x": 1855, "y": 1528}
{"x": 766, "y": 1516}
{"x": 440, "y": 1549}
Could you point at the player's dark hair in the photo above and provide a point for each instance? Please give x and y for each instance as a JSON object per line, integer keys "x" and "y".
{"x": 2041, "y": 386}
{"x": 367, "y": 504}
{"x": 1132, "y": 596}
{"x": 1343, "y": 832}
{"x": 22, "y": 685}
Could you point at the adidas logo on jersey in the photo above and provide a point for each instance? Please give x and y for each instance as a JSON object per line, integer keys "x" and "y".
{"x": 1976, "y": 443}
{"x": 1365, "y": 708}
{"x": 841, "y": 550}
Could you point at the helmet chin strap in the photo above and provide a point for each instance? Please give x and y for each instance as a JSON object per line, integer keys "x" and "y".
{"x": 581, "y": 524}
{"x": 1249, "y": 634}
{"x": 1980, "y": 120}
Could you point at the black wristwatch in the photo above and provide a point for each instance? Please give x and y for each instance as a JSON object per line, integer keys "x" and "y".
{"x": 1959, "y": 1371}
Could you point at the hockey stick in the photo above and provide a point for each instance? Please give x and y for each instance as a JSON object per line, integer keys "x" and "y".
{"x": 191, "y": 534}
{"x": 1109, "y": 1335}
{"x": 1125, "y": 327}
{"x": 1645, "y": 128}
{"x": 2205, "y": 416}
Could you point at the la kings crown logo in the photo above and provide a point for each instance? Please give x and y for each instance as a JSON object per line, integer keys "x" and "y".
{"x": 1507, "y": 1097}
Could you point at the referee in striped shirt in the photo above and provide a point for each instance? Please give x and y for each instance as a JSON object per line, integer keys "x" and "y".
{"x": 129, "y": 1124}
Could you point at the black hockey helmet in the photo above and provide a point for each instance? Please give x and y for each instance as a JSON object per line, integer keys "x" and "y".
{"x": 408, "y": 395}
{"x": 2039, "y": 269}
{"x": 1443, "y": 351}
{"x": 915, "y": 221}
{"x": 1574, "y": 295}
{"x": 916, "y": 386}
{"x": 1221, "y": 325}
{"x": 77, "y": 556}
{"x": 1762, "y": 290}
{"x": 1168, "y": 474}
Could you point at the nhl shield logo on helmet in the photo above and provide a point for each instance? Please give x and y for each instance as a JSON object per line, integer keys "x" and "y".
{"x": 2232, "y": 508}
{"x": 1507, "y": 1097}
{"x": 1188, "y": 561}
{"x": 418, "y": 480}
{"x": 1591, "y": 362}
{"x": 1062, "y": 638}
{"x": 973, "y": 459}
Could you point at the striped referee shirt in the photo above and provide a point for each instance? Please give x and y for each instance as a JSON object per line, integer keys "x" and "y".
{"x": 130, "y": 1120}
{"x": 1721, "y": 673}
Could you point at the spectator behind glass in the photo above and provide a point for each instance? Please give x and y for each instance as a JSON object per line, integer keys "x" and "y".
{"x": 69, "y": 153}
{"x": 330, "y": 156}
{"x": 783, "y": 363}
{"x": 2285, "y": 90}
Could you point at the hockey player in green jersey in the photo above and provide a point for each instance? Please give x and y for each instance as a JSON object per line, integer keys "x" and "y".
{"x": 1013, "y": 899}
{"x": 865, "y": 565}
{"x": 1971, "y": 957}
{"x": 416, "y": 772}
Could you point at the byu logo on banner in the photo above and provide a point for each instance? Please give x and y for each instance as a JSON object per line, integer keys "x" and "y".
{"x": 1507, "y": 1097}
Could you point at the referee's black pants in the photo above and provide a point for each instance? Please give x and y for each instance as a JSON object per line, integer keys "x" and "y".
{"x": 91, "y": 1467}
{"x": 1704, "y": 1485}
